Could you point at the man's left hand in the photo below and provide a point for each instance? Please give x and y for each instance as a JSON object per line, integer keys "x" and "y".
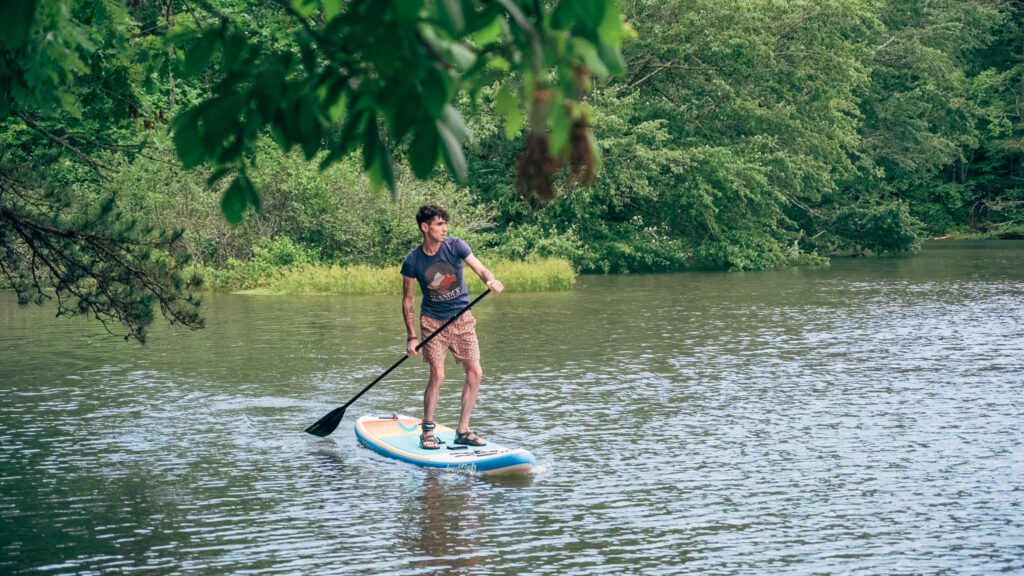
{"x": 496, "y": 285}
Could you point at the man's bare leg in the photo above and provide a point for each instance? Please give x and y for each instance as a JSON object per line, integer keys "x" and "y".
{"x": 474, "y": 375}
{"x": 433, "y": 391}
{"x": 430, "y": 398}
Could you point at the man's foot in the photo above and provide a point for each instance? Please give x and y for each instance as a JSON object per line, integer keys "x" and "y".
{"x": 468, "y": 438}
{"x": 428, "y": 442}
{"x": 427, "y": 439}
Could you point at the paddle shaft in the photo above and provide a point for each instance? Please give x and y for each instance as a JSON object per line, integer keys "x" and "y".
{"x": 421, "y": 345}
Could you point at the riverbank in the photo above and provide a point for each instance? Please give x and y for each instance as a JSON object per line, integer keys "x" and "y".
{"x": 1003, "y": 233}
{"x": 541, "y": 275}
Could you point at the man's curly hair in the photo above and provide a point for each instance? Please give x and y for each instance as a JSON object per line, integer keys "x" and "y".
{"x": 428, "y": 211}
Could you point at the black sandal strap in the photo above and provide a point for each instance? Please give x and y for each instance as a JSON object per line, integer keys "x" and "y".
{"x": 428, "y": 426}
{"x": 469, "y": 438}
{"x": 428, "y": 436}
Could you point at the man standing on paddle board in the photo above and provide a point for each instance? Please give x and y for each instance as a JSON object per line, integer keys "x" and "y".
{"x": 437, "y": 265}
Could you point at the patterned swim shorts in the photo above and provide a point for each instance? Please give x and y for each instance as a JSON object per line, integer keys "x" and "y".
{"x": 459, "y": 337}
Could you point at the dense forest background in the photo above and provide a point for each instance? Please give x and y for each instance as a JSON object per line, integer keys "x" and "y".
{"x": 745, "y": 134}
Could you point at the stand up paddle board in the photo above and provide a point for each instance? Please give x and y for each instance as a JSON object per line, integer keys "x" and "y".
{"x": 398, "y": 437}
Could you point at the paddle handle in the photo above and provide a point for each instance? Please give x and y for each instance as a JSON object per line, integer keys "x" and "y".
{"x": 421, "y": 345}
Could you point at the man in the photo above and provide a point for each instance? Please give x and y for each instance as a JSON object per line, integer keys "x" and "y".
{"x": 437, "y": 265}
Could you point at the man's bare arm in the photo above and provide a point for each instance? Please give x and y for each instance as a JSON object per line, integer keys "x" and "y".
{"x": 484, "y": 274}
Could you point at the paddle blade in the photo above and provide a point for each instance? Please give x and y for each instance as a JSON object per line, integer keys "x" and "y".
{"x": 328, "y": 423}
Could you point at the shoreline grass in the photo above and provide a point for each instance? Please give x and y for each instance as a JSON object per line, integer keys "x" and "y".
{"x": 1009, "y": 232}
{"x": 542, "y": 275}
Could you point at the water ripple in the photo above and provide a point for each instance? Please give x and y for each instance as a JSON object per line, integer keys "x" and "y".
{"x": 866, "y": 418}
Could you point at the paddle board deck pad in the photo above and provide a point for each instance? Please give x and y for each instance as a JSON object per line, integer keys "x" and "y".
{"x": 398, "y": 437}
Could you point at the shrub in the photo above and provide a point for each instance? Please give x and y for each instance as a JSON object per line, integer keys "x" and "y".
{"x": 535, "y": 275}
{"x": 880, "y": 227}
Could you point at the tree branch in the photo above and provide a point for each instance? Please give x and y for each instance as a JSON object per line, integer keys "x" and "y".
{"x": 64, "y": 142}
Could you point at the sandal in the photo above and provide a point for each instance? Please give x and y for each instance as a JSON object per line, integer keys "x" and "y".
{"x": 468, "y": 438}
{"x": 427, "y": 439}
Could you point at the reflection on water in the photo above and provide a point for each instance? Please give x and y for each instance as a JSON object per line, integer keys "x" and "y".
{"x": 861, "y": 418}
{"x": 446, "y": 524}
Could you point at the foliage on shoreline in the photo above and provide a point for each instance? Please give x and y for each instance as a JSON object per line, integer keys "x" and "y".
{"x": 996, "y": 233}
{"x": 281, "y": 267}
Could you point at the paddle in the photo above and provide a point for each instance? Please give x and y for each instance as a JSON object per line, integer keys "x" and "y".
{"x": 329, "y": 423}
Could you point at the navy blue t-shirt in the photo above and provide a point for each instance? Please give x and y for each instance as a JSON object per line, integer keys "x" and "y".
{"x": 440, "y": 277}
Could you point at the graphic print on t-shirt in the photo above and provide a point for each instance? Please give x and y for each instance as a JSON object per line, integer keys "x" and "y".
{"x": 442, "y": 282}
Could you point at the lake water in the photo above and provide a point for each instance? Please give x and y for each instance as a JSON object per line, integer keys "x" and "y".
{"x": 862, "y": 418}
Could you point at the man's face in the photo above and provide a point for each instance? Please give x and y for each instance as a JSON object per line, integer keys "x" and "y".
{"x": 436, "y": 229}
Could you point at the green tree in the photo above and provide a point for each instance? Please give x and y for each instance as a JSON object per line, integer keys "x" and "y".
{"x": 761, "y": 97}
{"x": 989, "y": 179}
{"x": 756, "y": 134}
{"x": 372, "y": 74}
{"x": 324, "y": 76}
{"x": 919, "y": 116}
{"x": 736, "y": 119}
{"x": 69, "y": 84}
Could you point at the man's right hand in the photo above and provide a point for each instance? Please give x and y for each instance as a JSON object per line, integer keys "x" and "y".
{"x": 410, "y": 347}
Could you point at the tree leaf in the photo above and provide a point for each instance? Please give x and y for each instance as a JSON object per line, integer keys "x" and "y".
{"x": 462, "y": 57}
{"x": 332, "y": 8}
{"x": 424, "y": 149}
{"x": 587, "y": 52}
{"x": 376, "y": 158}
{"x": 498, "y": 63}
{"x": 401, "y": 118}
{"x": 371, "y": 141}
{"x": 451, "y": 118}
{"x": 454, "y": 157}
{"x": 452, "y": 17}
{"x": 218, "y": 174}
{"x": 186, "y": 139}
{"x": 389, "y": 52}
{"x": 561, "y": 126}
{"x": 16, "y": 22}
{"x": 336, "y": 111}
{"x": 252, "y": 194}
{"x": 267, "y": 92}
{"x": 611, "y": 30}
{"x": 235, "y": 200}
{"x": 309, "y": 126}
{"x": 222, "y": 127}
{"x": 477, "y": 20}
{"x": 489, "y": 33}
{"x": 336, "y": 153}
{"x": 350, "y": 131}
{"x": 198, "y": 54}
{"x": 305, "y": 8}
{"x": 408, "y": 10}
{"x": 307, "y": 53}
{"x": 233, "y": 46}
{"x": 564, "y": 15}
{"x": 591, "y": 13}
{"x": 382, "y": 172}
{"x": 507, "y": 104}
{"x": 434, "y": 88}
{"x": 612, "y": 58}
